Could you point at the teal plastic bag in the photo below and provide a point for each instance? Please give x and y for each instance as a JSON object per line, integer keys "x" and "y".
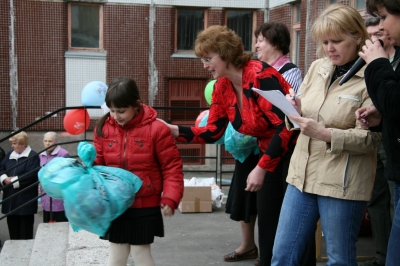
{"x": 93, "y": 195}
{"x": 239, "y": 145}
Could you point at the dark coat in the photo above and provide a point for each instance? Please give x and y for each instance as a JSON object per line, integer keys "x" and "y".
{"x": 28, "y": 163}
{"x": 2, "y": 154}
{"x": 383, "y": 85}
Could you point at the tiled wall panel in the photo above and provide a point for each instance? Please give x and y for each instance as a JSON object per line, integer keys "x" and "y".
{"x": 78, "y": 73}
{"x": 198, "y": 3}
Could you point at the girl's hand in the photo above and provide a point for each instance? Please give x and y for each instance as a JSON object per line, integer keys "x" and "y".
{"x": 368, "y": 116}
{"x": 295, "y": 101}
{"x": 174, "y": 129}
{"x": 166, "y": 210}
{"x": 255, "y": 179}
{"x": 312, "y": 129}
{"x": 371, "y": 51}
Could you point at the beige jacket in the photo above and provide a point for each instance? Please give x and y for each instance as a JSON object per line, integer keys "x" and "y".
{"x": 344, "y": 168}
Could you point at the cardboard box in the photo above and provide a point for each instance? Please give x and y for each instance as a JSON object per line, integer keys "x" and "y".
{"x": 196, "y": 199}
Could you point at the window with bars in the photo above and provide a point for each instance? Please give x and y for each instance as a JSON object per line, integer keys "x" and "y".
{"x": 186, "y": 93}
{"x": 183, "y": 94}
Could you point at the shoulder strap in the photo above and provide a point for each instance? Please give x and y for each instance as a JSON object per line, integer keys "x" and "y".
{"x": 287, "y": 67}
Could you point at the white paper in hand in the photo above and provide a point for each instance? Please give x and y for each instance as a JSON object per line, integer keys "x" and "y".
{"x": 279, "y": 100}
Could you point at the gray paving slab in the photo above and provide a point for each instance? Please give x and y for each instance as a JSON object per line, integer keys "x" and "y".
{"x": 16, "y": 252}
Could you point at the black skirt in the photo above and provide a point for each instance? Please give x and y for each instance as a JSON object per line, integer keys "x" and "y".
{"x": 136, "y": 229}
{"x": 242, "y": 204}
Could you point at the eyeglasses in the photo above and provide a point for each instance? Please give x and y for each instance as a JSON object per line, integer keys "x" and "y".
{"x": 207, "y": 60}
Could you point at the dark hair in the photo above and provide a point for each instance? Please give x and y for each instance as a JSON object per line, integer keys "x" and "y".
{"x": 373, "y": 21}
{"x": 277, "y": 34}
{"x": 121, "y": 93}
{"x": 392, "y": 6}
{"x": 223, "y": 41}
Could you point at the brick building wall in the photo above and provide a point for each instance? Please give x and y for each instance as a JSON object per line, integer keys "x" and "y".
{"x": 40, "y": 42}
{"x": 41, "y": 39}
{"x": 5, "y": 103}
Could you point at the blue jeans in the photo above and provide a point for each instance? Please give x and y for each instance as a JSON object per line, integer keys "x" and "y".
{"x": 393, "y": 254}
{"x": 340, "y": 220}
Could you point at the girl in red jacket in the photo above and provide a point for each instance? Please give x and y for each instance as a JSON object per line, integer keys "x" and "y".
{"x": 130, "y": 137}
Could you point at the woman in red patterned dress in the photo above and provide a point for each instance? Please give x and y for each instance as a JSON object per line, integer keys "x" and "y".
{"x": 233, "y": 100}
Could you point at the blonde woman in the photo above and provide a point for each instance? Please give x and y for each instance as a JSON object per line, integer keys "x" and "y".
{"x": 332, "y": 170}
{"x": 19, "y": 168}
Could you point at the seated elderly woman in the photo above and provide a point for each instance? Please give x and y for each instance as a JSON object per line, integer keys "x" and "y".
{"x": 19, "y": 170}
{"x": 53, "y": 209}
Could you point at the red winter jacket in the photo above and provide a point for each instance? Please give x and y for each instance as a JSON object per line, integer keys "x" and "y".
{"x": 145, "y": 147}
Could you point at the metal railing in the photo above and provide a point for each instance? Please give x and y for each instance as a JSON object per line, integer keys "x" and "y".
{"x": 218, "y": 158}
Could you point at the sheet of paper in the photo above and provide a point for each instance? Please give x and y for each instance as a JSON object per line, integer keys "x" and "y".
{"x": 279, "y": 100}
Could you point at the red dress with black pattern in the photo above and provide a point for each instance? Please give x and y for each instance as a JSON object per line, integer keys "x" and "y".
{"x": 258, "y": 117}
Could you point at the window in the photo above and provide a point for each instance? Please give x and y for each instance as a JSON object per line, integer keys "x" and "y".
{"x": 242, "y": 23}
{"x": 85, "y": 27}
{"x": 295, "y": 45}
{"x": 189, "y": 23}
{"x": 330, "y": 2}
{"x": 187, "y": 93}
{"x": 358, "y": 4}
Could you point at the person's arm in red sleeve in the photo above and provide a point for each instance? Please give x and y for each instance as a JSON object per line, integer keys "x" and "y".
{"x": 278, "y": 145}
{"x": 171, "y": 167}
{"x": 215, "y": 128}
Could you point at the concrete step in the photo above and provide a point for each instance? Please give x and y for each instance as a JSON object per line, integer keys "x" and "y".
{"x": 16, "y": 252}
{"x": 51, "y": 243}
{"x": 85, "y": 248}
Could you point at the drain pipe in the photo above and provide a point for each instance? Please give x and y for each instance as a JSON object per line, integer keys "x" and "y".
{"x": 266, "y": 11}
{"x": 13, "y": 69}
{"x": 307, "y": 37}
{"x": 153, "y": 72}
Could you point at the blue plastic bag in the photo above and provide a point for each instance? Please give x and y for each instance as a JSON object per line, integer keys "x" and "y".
{"x": 239, "y": 145}
{"x": 93, "y": 195}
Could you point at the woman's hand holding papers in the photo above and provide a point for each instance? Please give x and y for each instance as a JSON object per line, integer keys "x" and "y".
{"x": 311, "y": 128}
{"x": 295, "y": 101}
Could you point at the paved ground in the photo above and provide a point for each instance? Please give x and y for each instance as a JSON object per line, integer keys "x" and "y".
{"x": 200, "y": 239}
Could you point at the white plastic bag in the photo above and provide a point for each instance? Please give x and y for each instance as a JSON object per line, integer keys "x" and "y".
{"x": 217, "y": 196}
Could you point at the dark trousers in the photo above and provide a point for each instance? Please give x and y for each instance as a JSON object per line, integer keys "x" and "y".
{"x": 379, "y": 206}
{"x": 269, "y": 203}
{"x": 20, "y": 226}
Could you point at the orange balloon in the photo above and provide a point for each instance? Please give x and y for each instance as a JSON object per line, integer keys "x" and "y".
{"x": 76, "y": 121}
